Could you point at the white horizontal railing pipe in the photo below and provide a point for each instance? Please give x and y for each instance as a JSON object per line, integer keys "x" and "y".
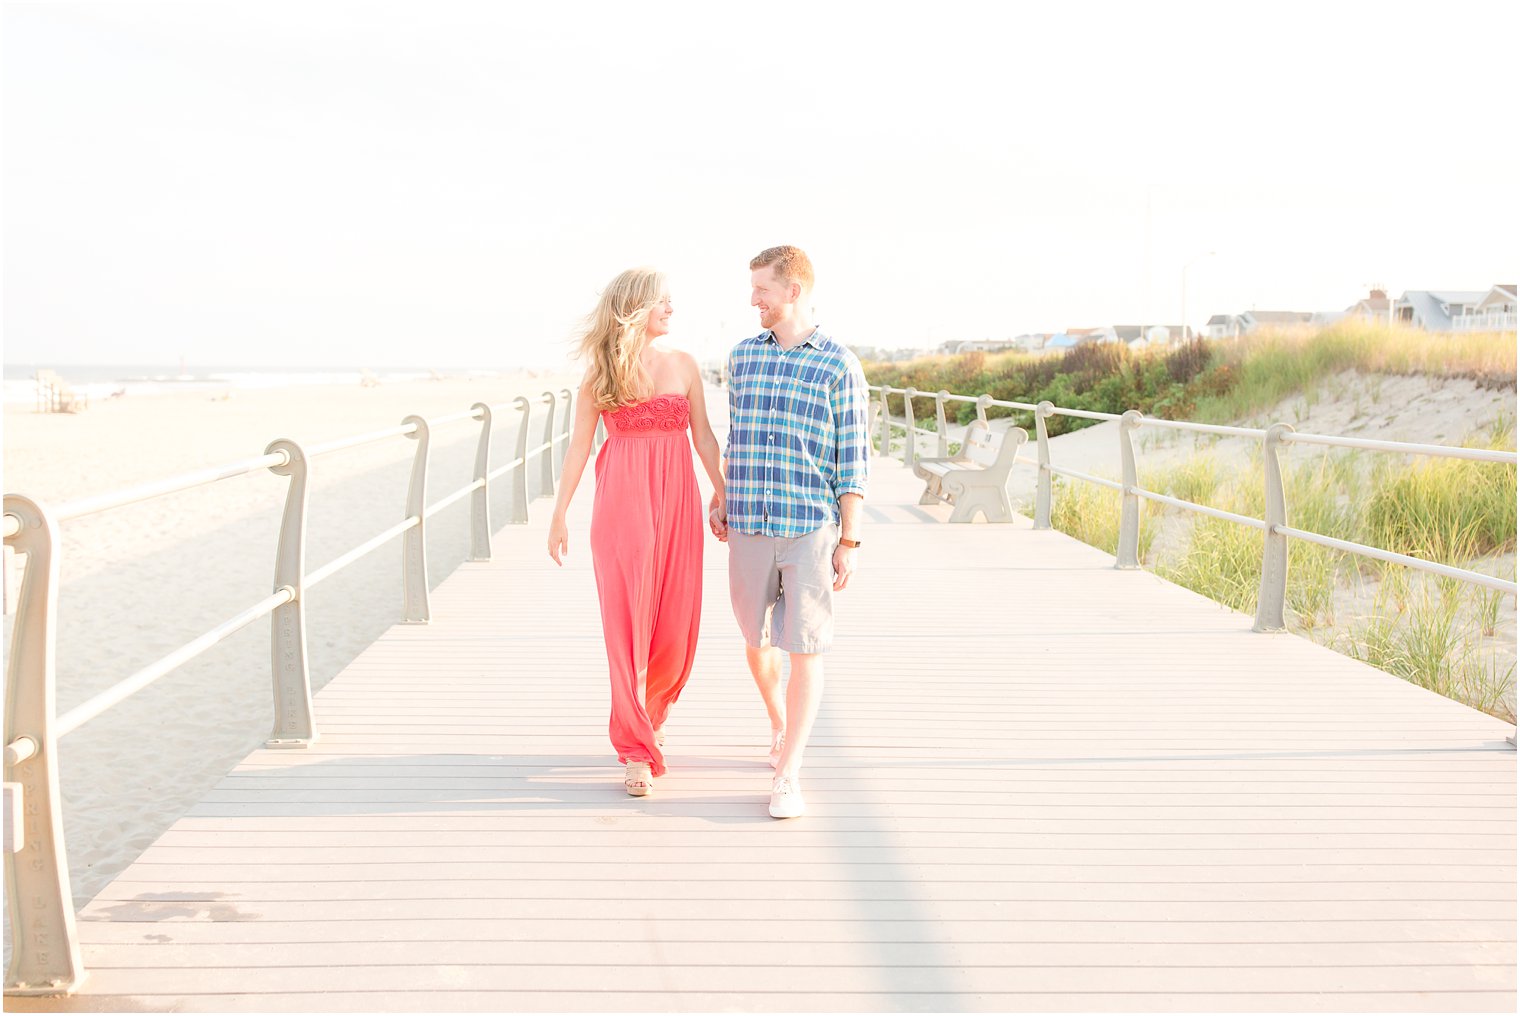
{"x": 1088, "y": 478}
{"x": 1085, "y": 414}
{"x": 374, "y": 543}
{"x": 458, "y": 495}
{"x": 1006, "y": 404}
{"x": 502, "y": 470}
{"x": 1201, "y": 509}
{"x": 1405, "y": 448}
{"x": 1203, "y": 428}
{"x": 19, "y": 750}
{"x": 344, "y": 443}
{"x": 464, "y": 414}
{"x": 172, "y": 485}
{"x": 87, "y": 711}
{"x": 45, "y": 956}
{"x": 1419, "y": 564}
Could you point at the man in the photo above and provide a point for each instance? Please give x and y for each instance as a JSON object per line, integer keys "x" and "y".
{"x": 795, "y": 472}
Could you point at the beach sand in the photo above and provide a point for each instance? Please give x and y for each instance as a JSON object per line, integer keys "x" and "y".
{"x": 139, "y": 581}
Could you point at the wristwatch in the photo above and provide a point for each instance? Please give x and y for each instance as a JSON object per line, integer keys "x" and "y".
{"x": 848, "y": 543}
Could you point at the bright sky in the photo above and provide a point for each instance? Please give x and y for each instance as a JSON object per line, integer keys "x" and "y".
{"x": 441, "y": 183}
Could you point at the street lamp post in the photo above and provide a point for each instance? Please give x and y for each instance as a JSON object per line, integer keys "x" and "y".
{"x": 1195, "y": 260}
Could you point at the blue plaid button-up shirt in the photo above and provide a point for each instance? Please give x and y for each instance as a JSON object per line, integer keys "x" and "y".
{"x": 797, "y": 434}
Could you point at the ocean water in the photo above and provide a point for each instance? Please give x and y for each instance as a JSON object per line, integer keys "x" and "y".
{"x": 103, "y": 381}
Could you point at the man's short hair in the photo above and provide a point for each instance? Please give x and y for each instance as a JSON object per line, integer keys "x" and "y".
{"x": 792, "y": 265}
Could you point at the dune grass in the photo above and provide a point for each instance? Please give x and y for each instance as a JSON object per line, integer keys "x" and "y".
{"x": 1268, "y": 366}
{"x": 1426, "y": 630}
{"x": 1436, "y": 635}
{"x": 1091, "y": 514}
{"x": 1209, "y": 381}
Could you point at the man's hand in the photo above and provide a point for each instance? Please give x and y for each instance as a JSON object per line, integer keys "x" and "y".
{"x": 844, "y": 566}
{"x": 717, "y": 516}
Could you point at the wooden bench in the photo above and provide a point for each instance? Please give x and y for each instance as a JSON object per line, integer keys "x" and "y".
{"x": 976, "y": 480}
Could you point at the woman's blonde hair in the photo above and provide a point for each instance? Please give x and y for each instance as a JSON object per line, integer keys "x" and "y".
{"x": 615, "y": 337}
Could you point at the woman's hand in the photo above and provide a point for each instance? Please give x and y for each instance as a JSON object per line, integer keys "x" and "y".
{"x": 559, "y": 539}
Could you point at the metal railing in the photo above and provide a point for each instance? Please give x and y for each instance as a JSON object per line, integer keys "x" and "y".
{"x": 45, "y": 956}
{"x": 1272, "y": 597}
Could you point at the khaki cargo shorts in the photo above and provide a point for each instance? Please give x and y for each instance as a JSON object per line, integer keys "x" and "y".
{"x": 783, "y": 589}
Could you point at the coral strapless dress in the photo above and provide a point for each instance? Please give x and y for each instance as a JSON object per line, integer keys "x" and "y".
{"x": 646, "y": 547}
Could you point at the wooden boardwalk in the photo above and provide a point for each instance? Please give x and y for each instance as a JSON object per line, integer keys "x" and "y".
{"x": 1038, "y": 783}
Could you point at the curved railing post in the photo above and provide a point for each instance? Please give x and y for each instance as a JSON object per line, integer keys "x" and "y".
{"x": 941, "y": 428}
{"x": 567, "y": 419}
{"x": 546, "y": 463}
{"x": 519, "y": 513}
{"x": 1128, "y": 554}
{"x": 910, "y": 445}
{"x": 983, "y": 401}
{"x": 45, "y": 958}
{"x": 293, "y": 724}
{"x": 414, "y": 579}
{"x": 480, "y": 497}
{"x": 1272, "y": 597}
{"x": 886, "y": 424}
{"x": 1043, "y": 482}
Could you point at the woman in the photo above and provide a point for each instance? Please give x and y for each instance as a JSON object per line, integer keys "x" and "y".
{"x": 646, "y": 521}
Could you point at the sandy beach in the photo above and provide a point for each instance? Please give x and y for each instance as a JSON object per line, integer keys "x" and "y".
{"x": 141, "y": 580}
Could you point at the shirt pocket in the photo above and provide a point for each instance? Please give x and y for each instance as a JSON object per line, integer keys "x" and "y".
{"x": 809, "y": 404}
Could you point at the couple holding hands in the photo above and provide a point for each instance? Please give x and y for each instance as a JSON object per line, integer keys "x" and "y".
{"x": 787, "y": 498}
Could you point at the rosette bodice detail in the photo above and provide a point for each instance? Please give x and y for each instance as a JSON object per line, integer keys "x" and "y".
{"x": 657, "y": 417}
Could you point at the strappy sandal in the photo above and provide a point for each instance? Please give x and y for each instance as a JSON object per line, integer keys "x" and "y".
{"x": 638, "y": 779}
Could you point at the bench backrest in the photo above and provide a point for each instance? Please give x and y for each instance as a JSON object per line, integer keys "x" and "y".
{"x": 991, "y": 450}
{"x": 981, "y": 444}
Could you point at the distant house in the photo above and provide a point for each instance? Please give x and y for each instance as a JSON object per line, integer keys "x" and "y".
{"x": 1082, "y": 336}
{"x": 1374, "y": 305}
{"x": 1169, "y": 335}
{"x": 1254, "y": 319}
{"x": 1031, "y": 342}
{"x": 1220, "y": 326}
{"x": 981, "y": 345}
{"x": 1494, "y": 313}
{"x": 1060, "y": 340}
{"x": 1435, "y": 309}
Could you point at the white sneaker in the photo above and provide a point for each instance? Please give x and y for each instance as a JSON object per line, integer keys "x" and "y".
{"x": 786, "y": 798}
{"x": 778, "y": 741}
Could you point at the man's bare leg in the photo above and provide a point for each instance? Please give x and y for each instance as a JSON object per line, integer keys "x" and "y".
{"x": 765, "y": 667}
{"x": 804, "y": 693}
